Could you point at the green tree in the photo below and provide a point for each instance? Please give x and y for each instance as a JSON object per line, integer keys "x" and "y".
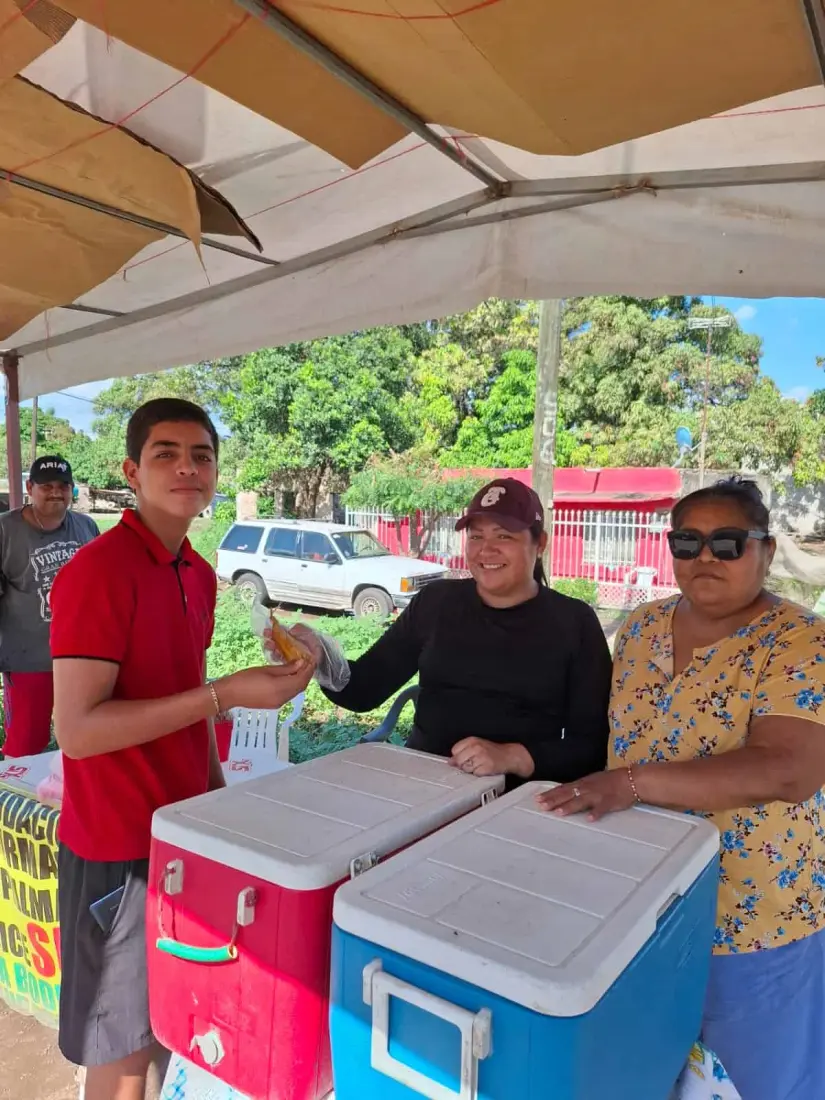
{"x": 500, "y": 433}
{"x": 55, "y": 435}
{"x": 493, "y": 328}
{"x": 316, "y": 413}
{"x": 809, "y": 461}
{"x": 203, "y": 384}
{"x": 408, "y": 484}
{"x": 462, "y": 361}
{"x": 633, "y": 372}
{"x": 445, "y": 382}
{"x": 98, "y": 462}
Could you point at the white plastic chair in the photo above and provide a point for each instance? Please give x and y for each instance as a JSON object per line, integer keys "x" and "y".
{"x": 641, "y": 581}
{"x": 260, "y": 740}
{"x": 266, "y": 730}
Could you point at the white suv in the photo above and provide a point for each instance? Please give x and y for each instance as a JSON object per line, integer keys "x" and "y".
{"x": 325, "y": 565}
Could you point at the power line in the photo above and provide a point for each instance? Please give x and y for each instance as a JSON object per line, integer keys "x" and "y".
{"x": 75, "y": 396}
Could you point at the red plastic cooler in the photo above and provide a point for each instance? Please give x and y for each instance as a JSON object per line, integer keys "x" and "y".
{"x": 240, "y": 906}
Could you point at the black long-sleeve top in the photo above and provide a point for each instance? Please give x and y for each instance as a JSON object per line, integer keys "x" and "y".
{"x": 537, "y": 674}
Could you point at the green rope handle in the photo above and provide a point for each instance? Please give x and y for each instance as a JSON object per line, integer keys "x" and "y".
{"x": 198, "y": 954}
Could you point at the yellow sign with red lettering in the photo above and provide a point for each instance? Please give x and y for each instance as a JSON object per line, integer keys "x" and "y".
{"x": 29, "y": 932}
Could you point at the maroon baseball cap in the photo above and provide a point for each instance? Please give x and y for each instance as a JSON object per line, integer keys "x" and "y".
{"x": 512, "y": 504}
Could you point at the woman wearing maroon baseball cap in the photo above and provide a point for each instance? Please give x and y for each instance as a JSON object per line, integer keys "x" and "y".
{"x": 514, "y": 677}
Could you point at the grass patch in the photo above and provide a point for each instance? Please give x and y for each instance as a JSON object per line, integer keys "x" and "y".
{"x": 323, "y": 727}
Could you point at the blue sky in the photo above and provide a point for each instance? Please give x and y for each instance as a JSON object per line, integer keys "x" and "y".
{"x": 793, "y": 334}
{"x": 75, "y": 405}
{"x": 792, "y": 331}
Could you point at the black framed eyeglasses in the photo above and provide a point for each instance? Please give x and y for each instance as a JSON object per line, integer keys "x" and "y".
{"x": 726, "y": 544}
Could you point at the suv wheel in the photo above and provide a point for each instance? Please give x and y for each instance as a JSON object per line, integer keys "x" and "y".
{"x": 373, "y": 601}
{"x": 250, "y": 588}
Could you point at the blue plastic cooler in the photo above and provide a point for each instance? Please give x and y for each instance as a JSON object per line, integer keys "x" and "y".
{"x": 516, "y": 955}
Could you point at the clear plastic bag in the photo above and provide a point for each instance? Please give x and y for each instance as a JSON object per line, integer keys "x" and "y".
{"x": 50, "y": 789}
{"x": 332, "y": 670}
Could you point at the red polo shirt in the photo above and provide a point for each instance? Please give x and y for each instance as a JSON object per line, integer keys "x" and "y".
{"x": 125, "y": 598}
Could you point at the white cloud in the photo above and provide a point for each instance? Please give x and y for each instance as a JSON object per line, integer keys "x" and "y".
{"x": 799, "y": 393}
{"x": 745, "y": 313}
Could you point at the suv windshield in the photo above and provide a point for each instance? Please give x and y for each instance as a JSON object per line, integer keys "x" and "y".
{"x": 359, "y": 544}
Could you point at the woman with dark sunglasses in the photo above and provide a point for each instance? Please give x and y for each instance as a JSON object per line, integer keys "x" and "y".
{"x": 718, "y": 708}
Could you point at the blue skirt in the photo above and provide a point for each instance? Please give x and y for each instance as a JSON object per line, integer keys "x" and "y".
{"x": 765, "y": 1019}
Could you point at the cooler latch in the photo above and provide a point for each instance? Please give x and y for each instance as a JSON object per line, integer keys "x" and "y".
{"x": 209, "y": 1047}
{"x": 489, "y": 796}
{"x": 173, "y": 877}
{"x": 362, "y": 863}
{"x": 246, "y": 907}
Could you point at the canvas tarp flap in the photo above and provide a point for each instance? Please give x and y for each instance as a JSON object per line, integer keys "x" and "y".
{"x": 53, "y": 250}
{"x": 229, "y": 50}
{"x": 552, "y": 78}
{"x": 728, "y": 205}
{"x": 507, "y": 69}
{"x": 28, "y": 29}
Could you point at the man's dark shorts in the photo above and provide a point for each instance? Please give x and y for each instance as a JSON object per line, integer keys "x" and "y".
{"x": 104, "y": 995}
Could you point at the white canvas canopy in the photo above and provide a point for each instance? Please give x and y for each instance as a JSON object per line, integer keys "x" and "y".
{"x": 729, "y": 205}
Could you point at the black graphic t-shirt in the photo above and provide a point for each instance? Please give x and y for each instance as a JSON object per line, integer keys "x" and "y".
{"x": 29, "y": 562}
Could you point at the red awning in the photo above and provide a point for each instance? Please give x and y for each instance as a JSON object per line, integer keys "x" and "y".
{"x": 625, "y": 485}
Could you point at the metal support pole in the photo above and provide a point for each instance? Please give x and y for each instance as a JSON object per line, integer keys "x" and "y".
{"x": 162, "y": 228}
{"x": 815, "y": 18}
{"x": 546, "y": 415}
{"x": 33, "y": 451}
{"x": 13, "y": 457}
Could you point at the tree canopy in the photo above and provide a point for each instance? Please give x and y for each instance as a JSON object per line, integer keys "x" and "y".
{"x": 460, "y": 392}
{"x": 405, "y": 485}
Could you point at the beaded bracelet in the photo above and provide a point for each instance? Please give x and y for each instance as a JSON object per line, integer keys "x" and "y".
{"x": 213, "y": 692}
{"x": 632, "y": 784}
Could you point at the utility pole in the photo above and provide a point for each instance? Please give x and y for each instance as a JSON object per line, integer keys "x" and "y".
{"x": 709, "y": 323}
{"x": 546, "y": 415}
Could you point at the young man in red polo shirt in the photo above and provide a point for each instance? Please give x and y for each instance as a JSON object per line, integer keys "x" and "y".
{"x": 132, "y": 618}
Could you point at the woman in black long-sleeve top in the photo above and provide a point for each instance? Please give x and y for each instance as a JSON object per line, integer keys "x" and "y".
{"x": 514, "y": 677}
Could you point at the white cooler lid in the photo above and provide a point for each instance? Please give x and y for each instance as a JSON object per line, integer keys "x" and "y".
{"x": 302, "y": 828}
{"x": 544, "y": 911}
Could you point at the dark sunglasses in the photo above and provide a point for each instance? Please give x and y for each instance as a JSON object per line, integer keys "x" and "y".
{"x": 726, "y": 544}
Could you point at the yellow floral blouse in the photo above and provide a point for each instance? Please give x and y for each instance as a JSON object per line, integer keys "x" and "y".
{"x": 772, "y": 880}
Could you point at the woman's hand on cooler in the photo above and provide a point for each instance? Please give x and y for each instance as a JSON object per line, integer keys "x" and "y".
{"x": 476, "y": 756}
{"x": 264, "y": 688}
{"x": 598, "y": 794}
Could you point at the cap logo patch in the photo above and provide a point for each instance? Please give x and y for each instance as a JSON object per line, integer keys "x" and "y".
{"x": 493, "y": 496}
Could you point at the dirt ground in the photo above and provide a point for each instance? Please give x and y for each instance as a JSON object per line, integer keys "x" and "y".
{"x": 31, "y": 1066}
